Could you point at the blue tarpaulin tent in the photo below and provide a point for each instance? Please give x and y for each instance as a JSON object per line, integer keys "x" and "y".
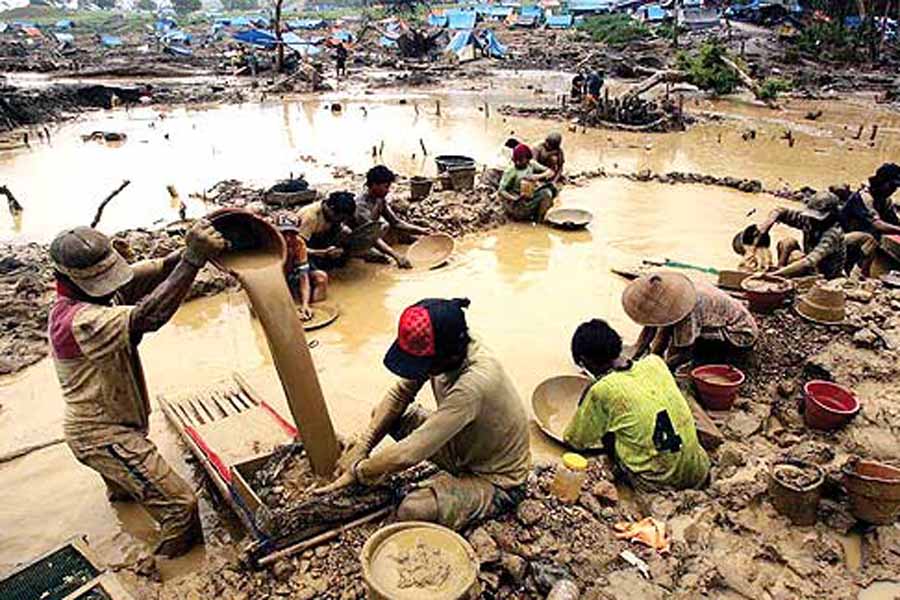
{"x": 65, "y": 24}
{"x": 165, "y": 24}
{"x": 526, "y": 21}
{"x": 500, "y": 12}
{"x": 255, "y": 37}
{"x": 308, "y": 24}
{"x": 176, "y": 37}
{"x": 531, "y": 11}
{"x": 469, "y": 44}
{"x": 437, "y": 20}
{"x": 301, "y": 46}
{"x": 342, "y": 34}
{"x": 653, "y": 13}
{"x": 590, "y": 6}
{"x": 461, "y": 20}
{"x": 559, "y": 21}
{"x": 110, "y": 41}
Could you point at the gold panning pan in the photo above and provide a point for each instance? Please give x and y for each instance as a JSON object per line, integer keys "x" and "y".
{"x": 431, "y": 251}
{"x": 569, "y": 218}
{"x": 555, "y": 401}
{"x": 322, "y": 314}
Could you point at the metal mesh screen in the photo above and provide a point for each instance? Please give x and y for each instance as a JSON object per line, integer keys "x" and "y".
{"x": 51, "y": 578}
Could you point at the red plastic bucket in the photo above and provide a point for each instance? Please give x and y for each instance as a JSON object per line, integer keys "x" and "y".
{"x": 828, "y": 405}
{"x": 717, "y": 385}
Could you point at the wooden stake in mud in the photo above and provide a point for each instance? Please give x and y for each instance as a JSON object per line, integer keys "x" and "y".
{"x": 107, "y": 200}
{"x": 14, "y": 206}
{"x": 422, "y": 144}
{"x": 438, "y": 105}
{"x": 874, "y": 133}
{"x": 859, "y": 132}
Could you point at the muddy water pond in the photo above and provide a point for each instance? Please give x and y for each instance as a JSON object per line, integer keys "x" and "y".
{"x": 61, "y": 183}
{"x": 530, "y": 286}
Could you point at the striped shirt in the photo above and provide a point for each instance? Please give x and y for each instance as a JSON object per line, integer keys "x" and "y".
{"x": 825, "y": 250}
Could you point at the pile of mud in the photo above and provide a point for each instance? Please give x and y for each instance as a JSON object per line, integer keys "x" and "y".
{"x": 452, "y": 212}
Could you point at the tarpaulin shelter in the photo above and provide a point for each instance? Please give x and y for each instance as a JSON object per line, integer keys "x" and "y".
{"x": 531, "y": 11}
{"x": 256, "y": 37}
{"x": 64, "y": 24}
{"x": 470, "y": 44}
{"x": 463, "y": 20}
{"x": 437, "y": 20}
{"x": 307, "y": 24}
{"x": 342, "y": 35}
{"x": 64, "y": 38}
{"x": 528, "y": 21}
{"x": 653, "y": 13}
{"x": 164, "y": 24}
{"x": 581, "y": 7}
{"x": 301, "y": 46}
{"x": 110, "y": 41}
{"x": 559, "y": 21}
{"x": 500, "y": 12}
{"x": 176, "y": 37}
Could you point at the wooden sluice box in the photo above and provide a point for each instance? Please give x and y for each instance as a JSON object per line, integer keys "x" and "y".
{"x": 234, "y": 433}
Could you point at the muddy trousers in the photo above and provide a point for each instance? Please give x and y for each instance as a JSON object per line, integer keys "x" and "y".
{"x": 132, "y": 465}
{"x": 462, "y": 498}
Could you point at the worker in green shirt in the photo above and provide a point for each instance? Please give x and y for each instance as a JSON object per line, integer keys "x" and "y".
{"x": 636, "y": 413}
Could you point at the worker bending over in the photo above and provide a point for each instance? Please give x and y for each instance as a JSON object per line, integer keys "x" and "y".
{"x": 103, "y": 309}
{"x": 525, "y": 187}
{"x": 549, "y": 153}
{"x": 636, "y": 413}
{"x": 321, "y": 226}
{"x": 372, "y": 206}
{"x": 684, "y": 321}
{"x": 478, "y": 435}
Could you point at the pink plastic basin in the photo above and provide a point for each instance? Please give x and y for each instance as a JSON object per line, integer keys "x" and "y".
{"x": 717, "y": 385}
{"x": 828, "y": 405}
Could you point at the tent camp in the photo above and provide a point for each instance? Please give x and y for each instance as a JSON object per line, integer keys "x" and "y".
{"x": 500, "y": 13}
{"x": 531, "y": 11}
{"x": 472, "y": 44}
{"x": 304, "y": 47}
{"x": 461, "y": 20}
{"x": 65, "y": 24}
{"x": 559, "y": 21}
{"x": 307, "y": 24}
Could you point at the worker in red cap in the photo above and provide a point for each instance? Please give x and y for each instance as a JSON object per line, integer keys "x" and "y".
{"x": 478, "y": 435}
{"x": 103, "y": 308}
{"x": 525, "y": 187}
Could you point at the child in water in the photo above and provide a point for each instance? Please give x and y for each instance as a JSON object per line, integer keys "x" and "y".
{"x": 305, "y": 283}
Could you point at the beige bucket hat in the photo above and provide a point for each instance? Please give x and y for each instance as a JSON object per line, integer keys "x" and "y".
{"x": 659, "y": 299}
{"x": 87, "y": 257}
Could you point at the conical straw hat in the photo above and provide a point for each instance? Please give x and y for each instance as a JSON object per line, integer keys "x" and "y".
{"x": 659, "y": 299}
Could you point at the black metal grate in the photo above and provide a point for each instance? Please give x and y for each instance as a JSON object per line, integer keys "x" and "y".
{"x": 51, "y": 578}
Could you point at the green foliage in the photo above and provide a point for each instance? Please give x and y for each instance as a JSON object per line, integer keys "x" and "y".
{"x": 615, "y": 29}
{"x": 667, "y": 30}
{"x": 829, "y": 40}
{"x": 773, "y": 86}
{"x": 706, "y": 70}
{"x": 186, "y": 6}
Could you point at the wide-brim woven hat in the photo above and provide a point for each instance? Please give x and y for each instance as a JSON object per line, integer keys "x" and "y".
{"x": 659, "y": 299}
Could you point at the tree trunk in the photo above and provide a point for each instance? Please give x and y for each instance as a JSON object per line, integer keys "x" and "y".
{"x": 279, "y": 64}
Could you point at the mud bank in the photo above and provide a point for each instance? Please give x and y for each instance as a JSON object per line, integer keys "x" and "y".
{"x": 24, "y": 107}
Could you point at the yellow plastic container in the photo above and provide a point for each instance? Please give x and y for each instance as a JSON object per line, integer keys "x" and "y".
{"x": 570, "y": 476}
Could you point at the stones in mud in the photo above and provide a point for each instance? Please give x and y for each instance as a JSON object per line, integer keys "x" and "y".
{"x": 866, "y": 338}
{"x": 530, "y": 512}
{"x": 744, "y": 425}
{"x": 485, "y": 547}
{"x": 606, "y": 493}
{"x": 514, "y": 566}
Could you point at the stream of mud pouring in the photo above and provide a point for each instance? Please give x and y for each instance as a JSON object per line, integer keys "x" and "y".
{"x": 260, "y": 273}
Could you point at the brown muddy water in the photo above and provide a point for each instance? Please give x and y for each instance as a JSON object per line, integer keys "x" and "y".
{"x": 61, "y": 183}
{"x": 530, "y": 285}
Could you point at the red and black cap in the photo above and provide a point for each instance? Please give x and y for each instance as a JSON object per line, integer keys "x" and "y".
{"x": 429, "y": 328}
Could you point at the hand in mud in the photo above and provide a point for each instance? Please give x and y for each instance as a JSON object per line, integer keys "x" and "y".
{"x": 343, "y": 481}
{"x": 334, "y": 252}
{"x": 352, "y": 455}
{"x": 404, "y": 263}
{"x": 306, "y": 313}
{"x": 203, "y": 242}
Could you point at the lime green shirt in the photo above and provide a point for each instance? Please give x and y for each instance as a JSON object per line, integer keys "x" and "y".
{"x": 654, "y": 432}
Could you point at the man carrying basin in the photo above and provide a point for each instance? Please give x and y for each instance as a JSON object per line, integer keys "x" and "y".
{"x": 683, "y": 320}
{"x": 636, "y": 413}
{"x": 478, "y": 435}
{"x": 372, "y": 206}
{"x": 103, "y": 309}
